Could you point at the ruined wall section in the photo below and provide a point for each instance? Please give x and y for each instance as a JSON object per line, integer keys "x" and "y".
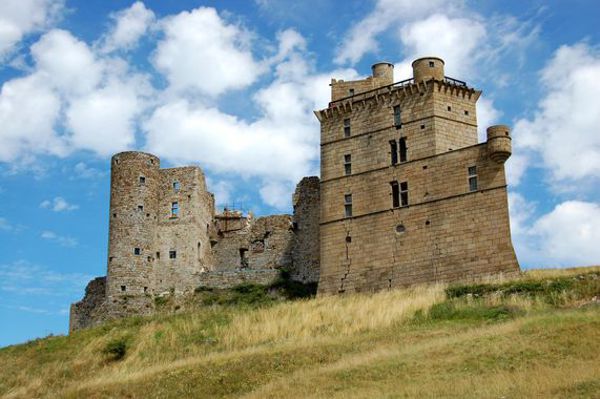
{"x": 182, "y": 245}
{"x": 88, "y": 312}
{"x": 264, "y": 243}
{"x": 305, "y": 253}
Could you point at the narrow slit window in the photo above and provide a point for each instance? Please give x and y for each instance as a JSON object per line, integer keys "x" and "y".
{"x": 472, "y": 178}
{"x": 172, "y": 254}
{"x": 348, "y": 205}
{"x": 395, "y": 194}
{"x": 397, "y": 117}
{"x": 403, "y": 153}
{"x": 394, "y": 151}
{"x": 348, "y": 164}
{"x": 347, "y": 131}
{"x": 404, "y": 194}
{"x": 142, "y": 180}
{"x": 176, "y": 186}
{"x": 174, "y": 209}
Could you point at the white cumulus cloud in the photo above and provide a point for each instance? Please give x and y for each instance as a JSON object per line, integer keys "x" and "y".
{"x": 129, "y": 26}
{"x": 58, "y": 204}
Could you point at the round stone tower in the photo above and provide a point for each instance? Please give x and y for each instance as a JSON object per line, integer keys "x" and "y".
{"x": 133, "y": 210}
{"x": 428, "y": 68}
{"x": 384, "y": 71}
{"x": 499, "y": 143}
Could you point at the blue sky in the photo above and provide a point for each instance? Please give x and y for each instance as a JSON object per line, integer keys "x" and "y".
{"x": 231, "y": 85}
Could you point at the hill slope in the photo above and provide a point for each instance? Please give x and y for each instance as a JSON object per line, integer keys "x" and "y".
{"x": 536, "y": 336}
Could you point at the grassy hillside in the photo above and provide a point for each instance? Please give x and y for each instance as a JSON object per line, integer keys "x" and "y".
{"x": 536, "y": 336}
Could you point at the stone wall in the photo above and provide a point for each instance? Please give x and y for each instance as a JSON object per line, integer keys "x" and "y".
{"x": 264, "y": 243}
{"x": 85, "y": 313}
{"x": 231, "y": 278}
{"x": 305, "y": 253}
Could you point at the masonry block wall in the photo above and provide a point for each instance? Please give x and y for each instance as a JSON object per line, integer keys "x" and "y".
{"x": 407, "y": 194}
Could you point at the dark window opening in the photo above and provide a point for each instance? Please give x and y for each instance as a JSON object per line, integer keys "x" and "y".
{"x": 137, "y": 251}
{"x": 116, "y": 161}
{"x": 431, "y": 64}
{"x": 141, "y": 208}
{"x": 174, "y": 209}
{"x": 111, "y": 258}
{"x": 348, "y": 164}
{"x": 404, "y": 194}
{"x": 147, "y": 215}
{"x": 348, "y": 239}
{"x": 243, "y": 258}
{"x": 397, "y": 116}
{"x": 199, "y": 251}
{"x": 394, "y": 152}
{"x": 142, "y": 180}
{"x": 347, "y": 131}
{"x": 403, "y": 153}
{"x": 449, "y": 108}
{"x": 472, "y": 170}
{"x": 348, "y": 205}
{"x": 400, "y": 229}
{"x": 424, "y": 167}
{"x": 176, "y": 186}
{"x": 395, "y": 194}
{"x": 123, "y": 288}
{"x": 422, "y": 127}
{"x": 350, "y": 92}
{"x": 172, "y": 254}
{"x": 114, "y": 215}
{"x": 145, "y": 289}
{"x": 158, "y": 255}
{"x": 149, "y": 258}
{"x": 427, "y": 223}
{"x": 466, "y": 112}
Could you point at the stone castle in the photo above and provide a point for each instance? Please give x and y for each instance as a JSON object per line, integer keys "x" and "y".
{"x": 406, "y": 195}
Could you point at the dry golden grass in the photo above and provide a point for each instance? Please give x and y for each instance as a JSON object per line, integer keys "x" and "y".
{"x": 350, "y": 346}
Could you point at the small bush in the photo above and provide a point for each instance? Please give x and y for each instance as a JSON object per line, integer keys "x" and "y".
{"x": 456, "y": 311}
{"x": 160, "y": 300}
{"x": 116, "y": 349}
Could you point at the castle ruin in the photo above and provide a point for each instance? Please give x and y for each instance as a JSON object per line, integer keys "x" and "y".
{"x": 406, "y": 195}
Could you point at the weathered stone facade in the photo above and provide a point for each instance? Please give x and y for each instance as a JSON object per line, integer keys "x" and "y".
{"x": 407, "y": 194}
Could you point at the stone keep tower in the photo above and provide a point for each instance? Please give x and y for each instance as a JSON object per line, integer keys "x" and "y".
{"x": 158, "y": 233}
{"x": 407, "y": 193}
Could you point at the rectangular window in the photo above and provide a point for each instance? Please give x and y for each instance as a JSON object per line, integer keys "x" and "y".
{"x": 404, "y": 194}
{"x": 397, "y": 117}
{"x": 158, "y": 255}
{"x": 142, "y": 180}
{"x": 141, "y": 208}
{"x": 348, "y": 205}
{"x": 395, "y": 194}
{"x": 176, "y": 186}
{"x": 137, "y": 251}
{"x": 347, "y": 128}
{"x": 403, "y": 153}
{"x": 472, "y": 178}
{"x": 172, "y": 254}
{"x": 123, "y": 288}
{"x": 350, "y": 92}
{"x": 348, "y": 164}
{"x": 174, "y": 209}
{"x": 394, "y": 152}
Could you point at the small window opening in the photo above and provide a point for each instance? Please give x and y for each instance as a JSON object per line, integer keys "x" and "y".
{"x": 472, "y": 170}
{"x": 176, "y": 186}
{"x": 466, "y": 112}
{"x": 348, "y": 239}
{"x": 404, "y": 194}
{"x": 397, "y": 116}
{"x": 347, "y": 131}
{"x": 142, "y": 180}
{"x": 350, "y": 92}
{"x": 427, "y": 223}
{"x": 431, "y": 64}
{"x": 400, "y": 229}
{"x": 348, "y": 205}
{"x": 111, "y": 258}
{"x": 172, "y": 254}
{"x": 158, "y": 255}
{"x": 422, "y": 127}
{"x": 395, "y": 194}
{"x": 174, "y": 209}
{"x": 394, "y": 151}
{"x": 243, "y": 258}
{"x": 114, "y": 215}
{"x": 449, "y": 108}
{"x": 145, "y": 289}
{"x": 403, "y": 150}
{"x": 141, "y": 208}
{"x": 123, "y": 288}
{"x": 348, "y": 164}
{"x": 137, "y": 251}
{"x": 199, "y": 251}
{"x": 149, "y": 258}
{"x": 116, "y": 161}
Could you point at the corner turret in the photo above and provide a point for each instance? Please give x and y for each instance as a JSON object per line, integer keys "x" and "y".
{"x": 499, "y": 143}
{"x": 428, "y": 68}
